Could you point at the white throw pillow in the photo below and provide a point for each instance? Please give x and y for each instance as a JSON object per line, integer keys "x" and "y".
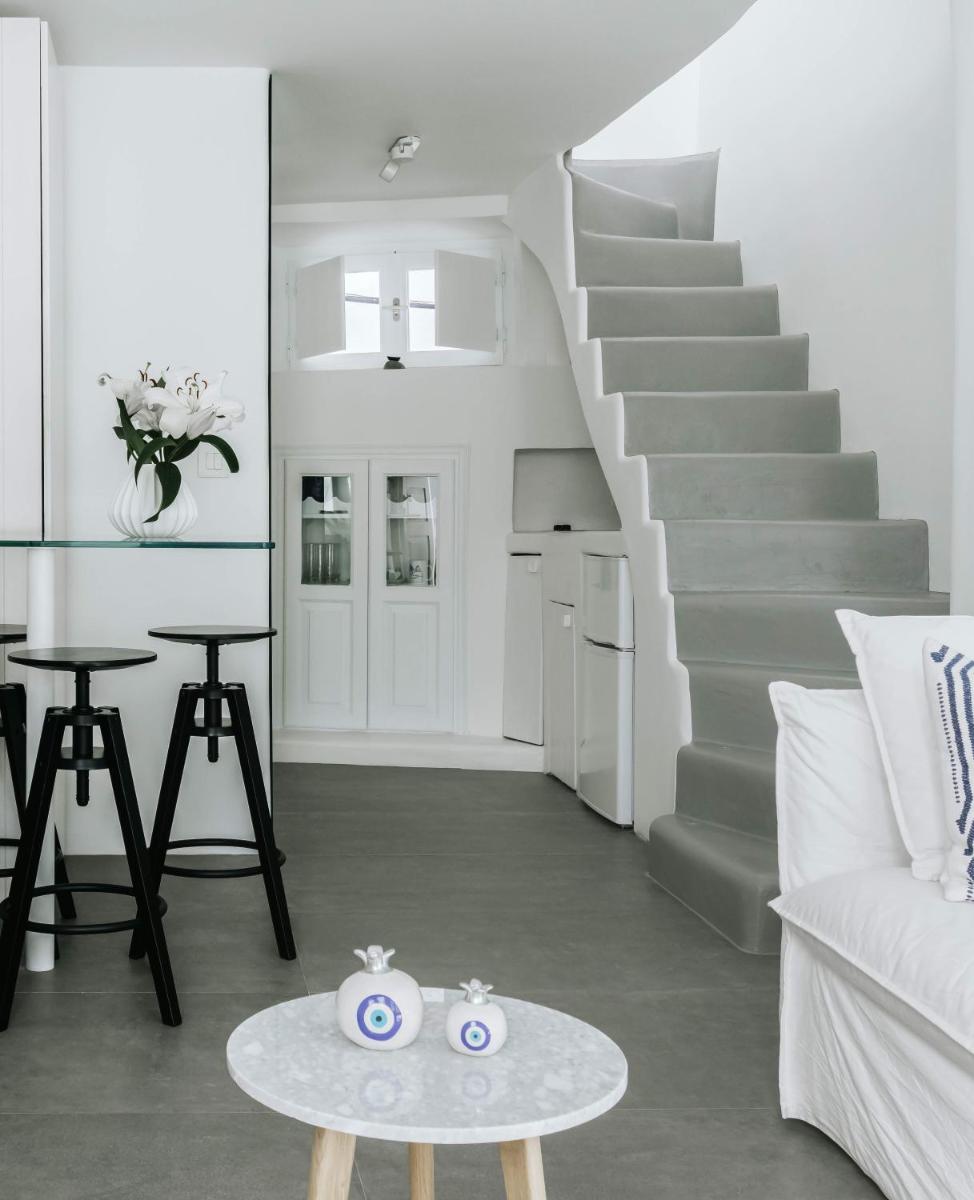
{"x": 949, "y": 688}
{"x": 889, "y": 655}
{"x": 834, "y": 811}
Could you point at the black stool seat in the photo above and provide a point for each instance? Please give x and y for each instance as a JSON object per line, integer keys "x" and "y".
{"x": 213, "y": 695}
{"x": 12, "y": 633}
{"x": 82, "y": 719}
{"x": 220, "y": 635}
{"x": 82, "y": 658}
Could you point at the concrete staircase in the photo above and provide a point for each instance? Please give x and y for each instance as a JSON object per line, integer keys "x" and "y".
{"x": 769, "y": 526}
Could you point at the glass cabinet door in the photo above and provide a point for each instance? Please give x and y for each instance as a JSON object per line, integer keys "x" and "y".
{"x": 412, "y": 530}
{"x": 326, "y": 530}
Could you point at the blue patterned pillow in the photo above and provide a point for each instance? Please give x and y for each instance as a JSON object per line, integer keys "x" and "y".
{"x": 949, "y": 676}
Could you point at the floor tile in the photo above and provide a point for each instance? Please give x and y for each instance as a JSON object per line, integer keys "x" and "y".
{"x": 77, "y": 1156}
{"x": 701, "y": 1154}
{"x": 111, "y": 1054}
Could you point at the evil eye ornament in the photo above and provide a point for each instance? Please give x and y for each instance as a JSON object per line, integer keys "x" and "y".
{"x": 379, "y": 1018}
{"x": 475, "y": 1035}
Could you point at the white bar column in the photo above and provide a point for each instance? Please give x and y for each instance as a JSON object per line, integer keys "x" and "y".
{"x": 40, "y": 696}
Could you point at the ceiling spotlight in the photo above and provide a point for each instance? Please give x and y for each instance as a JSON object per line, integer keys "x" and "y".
{"x": 402, "y": 150}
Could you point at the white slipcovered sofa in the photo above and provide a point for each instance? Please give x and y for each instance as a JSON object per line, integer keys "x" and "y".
{"x": 877, "y": 970}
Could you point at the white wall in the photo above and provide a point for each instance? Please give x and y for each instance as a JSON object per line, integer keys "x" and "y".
{"x": 166, "y": 259}
{"x": 962, "y": 579}
{"x": 835, "y": 123}
{"x": 490, "y": 411}
{"x": 664, "y": 124}
{"x": 836, "y": 172}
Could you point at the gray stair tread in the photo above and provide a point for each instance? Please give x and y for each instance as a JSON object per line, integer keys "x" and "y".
{"x": 600, "y": 207}
{"x": 796, "y": 556}
{"x": 751, "y": 363}
{"x": 731, "y": 422}
{"x": 604, "y": 259}
{"x": 724, "y": 876}
{"x": 785, "y": 628}
{"x": 730, "y": 702}
{"x": 756, "y": 485}
{"x": 635, "y": 311}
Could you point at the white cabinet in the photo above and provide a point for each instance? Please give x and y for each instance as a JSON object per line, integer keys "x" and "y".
{"x": 370, "y": 593}
{"x": 559, "y": 690}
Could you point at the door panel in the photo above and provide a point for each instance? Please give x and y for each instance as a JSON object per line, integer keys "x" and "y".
{"x": 326, "y": 594}
{"x": 559, "y": 690}
{"x": 412, "y": 594}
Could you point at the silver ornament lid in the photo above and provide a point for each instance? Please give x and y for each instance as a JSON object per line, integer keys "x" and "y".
{"x": 477, "y": 991}
{"x": 375, "y": 959}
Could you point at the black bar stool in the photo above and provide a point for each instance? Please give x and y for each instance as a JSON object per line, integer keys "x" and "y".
{"x": 213, "y": 726}
{"x": 82, "y": 758}
{"x": 13, "y": 733}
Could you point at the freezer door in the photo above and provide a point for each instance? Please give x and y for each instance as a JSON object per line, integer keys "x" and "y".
{"x": 607, "y": 601}
{"x": 523, "y": 652}
{"x": 605, "y": 732}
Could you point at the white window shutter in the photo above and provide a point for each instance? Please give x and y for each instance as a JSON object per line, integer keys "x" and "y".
{"x": 466, "y": 301}
{"x": 319, "y": 307}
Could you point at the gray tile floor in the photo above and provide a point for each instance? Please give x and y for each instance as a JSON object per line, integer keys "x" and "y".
{"x": 502, "y": 874}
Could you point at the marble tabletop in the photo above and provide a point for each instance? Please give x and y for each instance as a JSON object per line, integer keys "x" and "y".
{"x": 555, "y": 1072}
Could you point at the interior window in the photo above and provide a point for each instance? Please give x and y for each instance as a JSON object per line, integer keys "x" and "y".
{"x": 422, "y": 309}
{"x": 362, "y": 312}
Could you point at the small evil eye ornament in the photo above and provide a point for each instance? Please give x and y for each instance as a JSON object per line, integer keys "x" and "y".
{"x": 379, "y": 1007}
{"x": 476, "y": 1025}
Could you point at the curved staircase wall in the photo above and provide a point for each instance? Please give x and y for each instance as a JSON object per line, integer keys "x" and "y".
{"x": 541, "y": 214}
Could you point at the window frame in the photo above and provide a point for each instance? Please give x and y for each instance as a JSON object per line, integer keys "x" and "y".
{"x": 393, "y": 266}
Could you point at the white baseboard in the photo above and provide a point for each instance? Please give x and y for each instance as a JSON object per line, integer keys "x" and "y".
{"x": 375, "y": 749}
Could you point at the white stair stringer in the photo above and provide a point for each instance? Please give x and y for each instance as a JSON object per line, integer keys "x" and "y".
{"x": 540, "y": 213}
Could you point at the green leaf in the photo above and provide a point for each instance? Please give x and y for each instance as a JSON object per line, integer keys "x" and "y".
{"x": 169, "y": 481}
{"x": 184, "y": 450}
{"x": 134, "y": 438}
{"x": 225, "y": 449}
{"x": 151, "y": 447}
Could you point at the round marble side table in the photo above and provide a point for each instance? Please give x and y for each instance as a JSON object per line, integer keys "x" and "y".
{"x": 554, "y": 1073}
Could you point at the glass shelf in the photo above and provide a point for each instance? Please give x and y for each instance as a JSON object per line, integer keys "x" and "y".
{"x": 130, "y": 544}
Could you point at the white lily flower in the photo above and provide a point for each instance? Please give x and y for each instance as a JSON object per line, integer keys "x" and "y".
{"x": 130, "y": 391}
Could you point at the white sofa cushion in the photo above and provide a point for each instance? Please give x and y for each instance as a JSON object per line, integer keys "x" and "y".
{"x": 899, "y": 932}
{"x": 949, "y": 689}
{"x": 889, "y": 656}
{"x": 834, "y": 810}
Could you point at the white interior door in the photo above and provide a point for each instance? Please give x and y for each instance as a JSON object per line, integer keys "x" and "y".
{"x": 412, "y": 621}
{"x": 327, "y": 593}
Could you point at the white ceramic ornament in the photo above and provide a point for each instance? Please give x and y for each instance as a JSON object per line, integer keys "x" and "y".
{"x": 476, "y": 1025}
{"x": 379, "y": 1007}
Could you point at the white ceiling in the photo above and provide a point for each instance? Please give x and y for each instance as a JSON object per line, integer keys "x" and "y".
{"x": 492, "y": 87}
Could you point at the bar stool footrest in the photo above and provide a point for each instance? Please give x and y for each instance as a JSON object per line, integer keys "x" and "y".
{"x": 218, "y": 872}
{"x": 90, "y": 927}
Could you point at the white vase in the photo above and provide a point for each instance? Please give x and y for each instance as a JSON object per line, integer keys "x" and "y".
{"x": 379, "y": 1007}
{"x": 134, "y": 502}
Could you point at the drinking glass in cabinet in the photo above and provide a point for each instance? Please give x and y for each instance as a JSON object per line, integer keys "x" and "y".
{"x": 411, "y": 530}
{"x": 326, "y": 529}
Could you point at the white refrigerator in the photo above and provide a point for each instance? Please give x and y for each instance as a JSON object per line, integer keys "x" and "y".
{"x": 606, "y": 672}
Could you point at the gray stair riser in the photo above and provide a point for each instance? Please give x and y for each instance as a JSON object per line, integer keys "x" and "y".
{"x": 724, "y": 877}
{"x": 682, "y": 312}
{"x": 797, "y": 556}
{"x": 728, "y": 787}
{"x": 600, "y": 208}
{"x": 770, "y": 487}
{"x": 731, "y": 422}
{"x": 782, "y": 629}
{"x": 604, "y": 261}
{"x": 730, "y": 702}
{"x": 705, "y": 364}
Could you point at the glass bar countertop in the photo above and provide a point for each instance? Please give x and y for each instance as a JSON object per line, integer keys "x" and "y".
{"x": 130, "y": 544}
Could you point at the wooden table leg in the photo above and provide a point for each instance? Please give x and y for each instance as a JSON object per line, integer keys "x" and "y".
{"x": 523, "y": 1169}
{"x": 332, "y": 1156}
{"x": 420, "y": 1171}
